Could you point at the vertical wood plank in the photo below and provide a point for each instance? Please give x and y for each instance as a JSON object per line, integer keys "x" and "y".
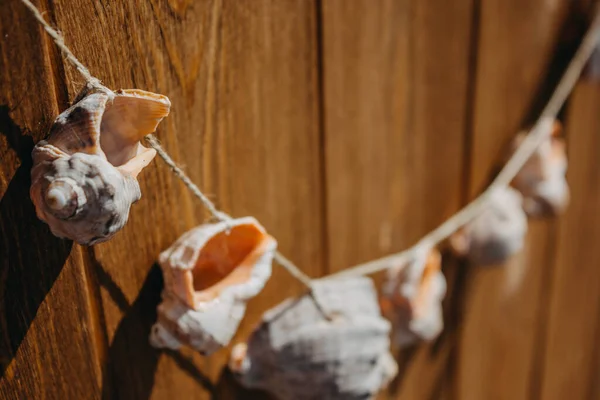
{"x": 504, "y": 305}
{"x": 242, "y": 77}
{"x": 396, "y": 91}
{"x": 570, "y": 364}
{"x": 440, "y": 107}
{"x": 47, "y": 321}
{"x": 393, "y": 170}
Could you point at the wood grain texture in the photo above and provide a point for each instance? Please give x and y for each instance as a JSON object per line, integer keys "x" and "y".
{"x": 242, "y": 79}
{"x": 504, "y": 305}
{"x": 396, "y": 92}
{"x": 46, "y": 317}
{"x": 570, "y": 365}
{"x": 384, "y": 79}
{"x": 349, "y": 129}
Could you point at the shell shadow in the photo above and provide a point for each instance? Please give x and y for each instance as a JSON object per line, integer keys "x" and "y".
{"x": 227, "y": 387}
{"x": 131, "y": 363}
{"x": 31, "y": 258}
{"x": 570, "y": 35}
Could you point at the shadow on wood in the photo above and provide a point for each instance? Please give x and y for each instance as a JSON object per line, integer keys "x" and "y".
{"x": 571, "y": 34}
{"x": 31, "y": 257}
{"x": 131, "y": 365}
{"x": 228, "y": 388}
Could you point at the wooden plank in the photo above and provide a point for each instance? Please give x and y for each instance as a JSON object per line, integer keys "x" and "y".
{"x": 396, "y": 84}
{"x": 441, "y": 105}
{"x": 47, "y": 321}
{"x": 504, "y": 306}
{"x": 242, "y": 77}
{"x": 393, "y": 171}
{"x": 570, "y": 363}
{"x": 366, "y": 95}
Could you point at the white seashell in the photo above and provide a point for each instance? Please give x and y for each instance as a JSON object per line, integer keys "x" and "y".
{"x": 412, "y": 298}
{"x": 84, "y": 173}
{"x": 497, "y": 233}
{"x": 297, "y": 353}
{"x": 542, "y": 180}
{"x": 210, "y": 274}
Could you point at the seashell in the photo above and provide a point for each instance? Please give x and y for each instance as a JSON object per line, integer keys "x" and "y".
{"x": 83, "y": 179}
{"x": 495, "y": 234}
{"x": 210, "y": 274}
{"x": 542, "y": 180}
{"x": 412, "y": 298}
{"x": 297, "y": 353}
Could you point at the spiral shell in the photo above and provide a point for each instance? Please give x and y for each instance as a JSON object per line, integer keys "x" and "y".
{"x": 412, "y": 298}
{"x": 298, "y": 353}
{"x": 83, "y": 179}
{"x": 542, "y": 180}
{"x": 497, "y": 233}
{"x": 210, "y": 274}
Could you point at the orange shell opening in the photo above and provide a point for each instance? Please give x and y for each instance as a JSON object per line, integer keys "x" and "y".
{"x": 226, "y": 259}
{"x": 418, "y": 305}
{"x": 432, "y": 267}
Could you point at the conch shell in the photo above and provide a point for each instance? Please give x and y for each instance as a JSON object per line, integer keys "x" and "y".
{"x": 497, "y": 233}
{"x": 412, "y": 298}
{"x": 299, "y": 353}
{"x": 84, "y": 173}
{"x": 542, "y": 180}
{"x": 210, "y": 274}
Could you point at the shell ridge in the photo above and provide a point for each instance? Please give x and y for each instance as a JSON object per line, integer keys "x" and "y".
{"x": 77, "y": 129}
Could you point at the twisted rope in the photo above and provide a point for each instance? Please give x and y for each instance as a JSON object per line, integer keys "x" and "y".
{"x": 535, "y": 136}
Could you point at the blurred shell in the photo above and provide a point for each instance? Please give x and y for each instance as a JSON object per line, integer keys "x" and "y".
{"x": 84, "y": 173}
{"x": 412, "y": 298}
{"x": 497, "y": 233}
{"x": 296, "y": 353}
{"x": 210, "y": 274}
{"x": 542, "y": 180}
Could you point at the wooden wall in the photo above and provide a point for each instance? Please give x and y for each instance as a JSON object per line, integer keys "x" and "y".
{"x": 349, "y": 128}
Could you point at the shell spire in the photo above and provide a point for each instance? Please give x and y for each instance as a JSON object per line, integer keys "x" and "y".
{"x": 64, "y": 197}
{"x": 84, "y": 173}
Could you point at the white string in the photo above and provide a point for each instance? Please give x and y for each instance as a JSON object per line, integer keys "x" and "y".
{"x": 155, "y": 144}
{"x": 219, "y": 215}
{"x": 60, "y": 42}
{"x": 534, "y": 138}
